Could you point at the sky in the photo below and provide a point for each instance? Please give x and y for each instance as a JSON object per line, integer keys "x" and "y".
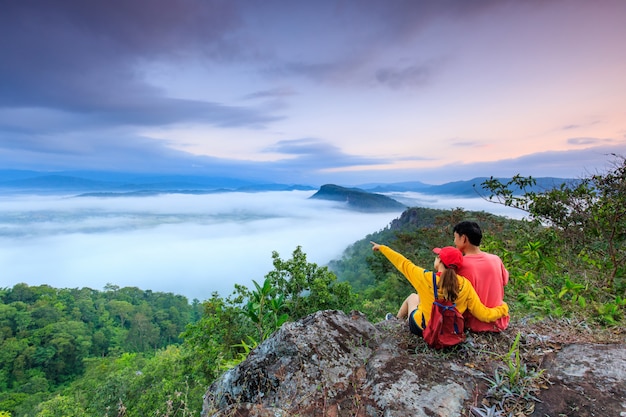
{"x": 314, "y": 92}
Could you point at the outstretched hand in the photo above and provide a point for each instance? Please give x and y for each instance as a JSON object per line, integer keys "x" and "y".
{"x": 375, "y": 246}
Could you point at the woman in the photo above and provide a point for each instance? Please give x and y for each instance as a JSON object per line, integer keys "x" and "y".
{"x": 451, "y": 286}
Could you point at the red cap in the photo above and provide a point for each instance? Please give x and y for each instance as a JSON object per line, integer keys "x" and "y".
{"x": 450, "y": 256}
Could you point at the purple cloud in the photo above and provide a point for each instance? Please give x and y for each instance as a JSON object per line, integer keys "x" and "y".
{"x": 411, "y": 76}
{"x": 316, "y": 154}
{"x": 83, "y": 58}
{"x": 272, "y": 93}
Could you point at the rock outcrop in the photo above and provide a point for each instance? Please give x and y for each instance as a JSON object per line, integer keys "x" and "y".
{"x": 586, "y": 380}
{"x": 357, "y": 199}
{"x": 336, "y": 364}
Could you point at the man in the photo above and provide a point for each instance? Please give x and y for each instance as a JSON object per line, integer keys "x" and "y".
{"x": 485, "y": 271}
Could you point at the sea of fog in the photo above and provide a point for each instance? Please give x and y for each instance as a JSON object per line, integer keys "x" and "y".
{"x": 192, "y": 245}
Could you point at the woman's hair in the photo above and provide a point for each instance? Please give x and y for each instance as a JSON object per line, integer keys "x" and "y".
{"x": 449, "y": 284}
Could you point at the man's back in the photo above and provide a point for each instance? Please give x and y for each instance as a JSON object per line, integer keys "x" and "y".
{"x": 488, "y": 275}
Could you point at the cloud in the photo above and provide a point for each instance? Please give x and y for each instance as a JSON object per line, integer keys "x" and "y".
{"x": 560, "y": 164}
{"x": 575, "y": 126}
{"x": 81, "y": 86}
{"x": 86, "y": 59}
{"x": 468, "y": 144}
{"x": 411, "y": 76}
{"x": 314, "y": 155}
{"x": 111, "y": 150}
{"x": 304, "y": 146}
{"x": 272, "y": 93}
{"x": 307, "y": 161}
{"x": 73, "y": 55}
{"x": 189, "y": 245}
{"x": 97, "y": 45}
{"x": 586, "y": 141}
{"x": 342, "y": 42}
{"x": 163, "y": 111}
{"x": 303, "y": 158}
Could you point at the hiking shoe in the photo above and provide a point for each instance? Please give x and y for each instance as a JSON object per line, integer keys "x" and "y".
{"x": 390, "y": 316}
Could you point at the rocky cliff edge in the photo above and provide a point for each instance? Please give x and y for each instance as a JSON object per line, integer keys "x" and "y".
{"x": 335, "y": 364}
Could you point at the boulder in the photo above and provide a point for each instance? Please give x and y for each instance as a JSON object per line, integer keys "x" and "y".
{"x": 586, "y": 380}
{"x": 336, "y": 364}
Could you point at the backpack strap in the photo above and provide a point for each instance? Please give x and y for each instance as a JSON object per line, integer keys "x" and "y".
{"x": 435, "y": 291}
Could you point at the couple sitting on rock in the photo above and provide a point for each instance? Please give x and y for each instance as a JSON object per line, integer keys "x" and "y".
{"x": 469, "y": 277}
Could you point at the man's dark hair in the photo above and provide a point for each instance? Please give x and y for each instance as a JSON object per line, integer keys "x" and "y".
{"x": 471, "y": 230}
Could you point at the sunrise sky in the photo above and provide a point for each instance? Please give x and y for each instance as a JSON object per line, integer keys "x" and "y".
{"x": 312, "y": 92}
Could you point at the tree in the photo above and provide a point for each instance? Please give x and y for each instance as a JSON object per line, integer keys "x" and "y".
{"x": 121, "y": 309}
{"x": 306, "y": 287}
{"x": 21, "y": 292}
{"x": 143, "y": 334}
{"x": 60, "y": 406}
{"x": 61, "y": 349}
{"x": 212, "y": 340}
{"x": 589, "y": 215}
{"x": 266, "y": 309}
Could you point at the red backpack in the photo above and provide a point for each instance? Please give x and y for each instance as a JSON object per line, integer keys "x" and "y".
{"x": 446, "y": 326}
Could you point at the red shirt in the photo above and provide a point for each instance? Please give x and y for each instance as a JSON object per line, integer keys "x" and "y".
{"x": 488, "y": 275}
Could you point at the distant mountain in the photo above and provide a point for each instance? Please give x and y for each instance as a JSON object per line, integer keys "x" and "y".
{"x": 358, "y": 199}
{"x": 395, "y": 187}
{"x": 18, "y": 174}
{"x": 148, "y": 193}
{"x": 470, "y": 188}
{"x": 61, "y": 182}
{"x": 275, "y": 187}
{"x": 125, "y": 184}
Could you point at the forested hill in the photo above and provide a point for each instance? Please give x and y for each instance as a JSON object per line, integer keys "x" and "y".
{"x": 414, "y": 233}
{"x": 49, "y": 337}
{"x": 358, "y": 199}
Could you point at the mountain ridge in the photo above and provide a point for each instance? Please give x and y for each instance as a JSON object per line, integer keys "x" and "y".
{"x": 89, "y": 182}
{"x": 464, "y": 188}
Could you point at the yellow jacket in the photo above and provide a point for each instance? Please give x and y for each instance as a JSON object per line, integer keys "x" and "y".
{"x": 422, "y": 281}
